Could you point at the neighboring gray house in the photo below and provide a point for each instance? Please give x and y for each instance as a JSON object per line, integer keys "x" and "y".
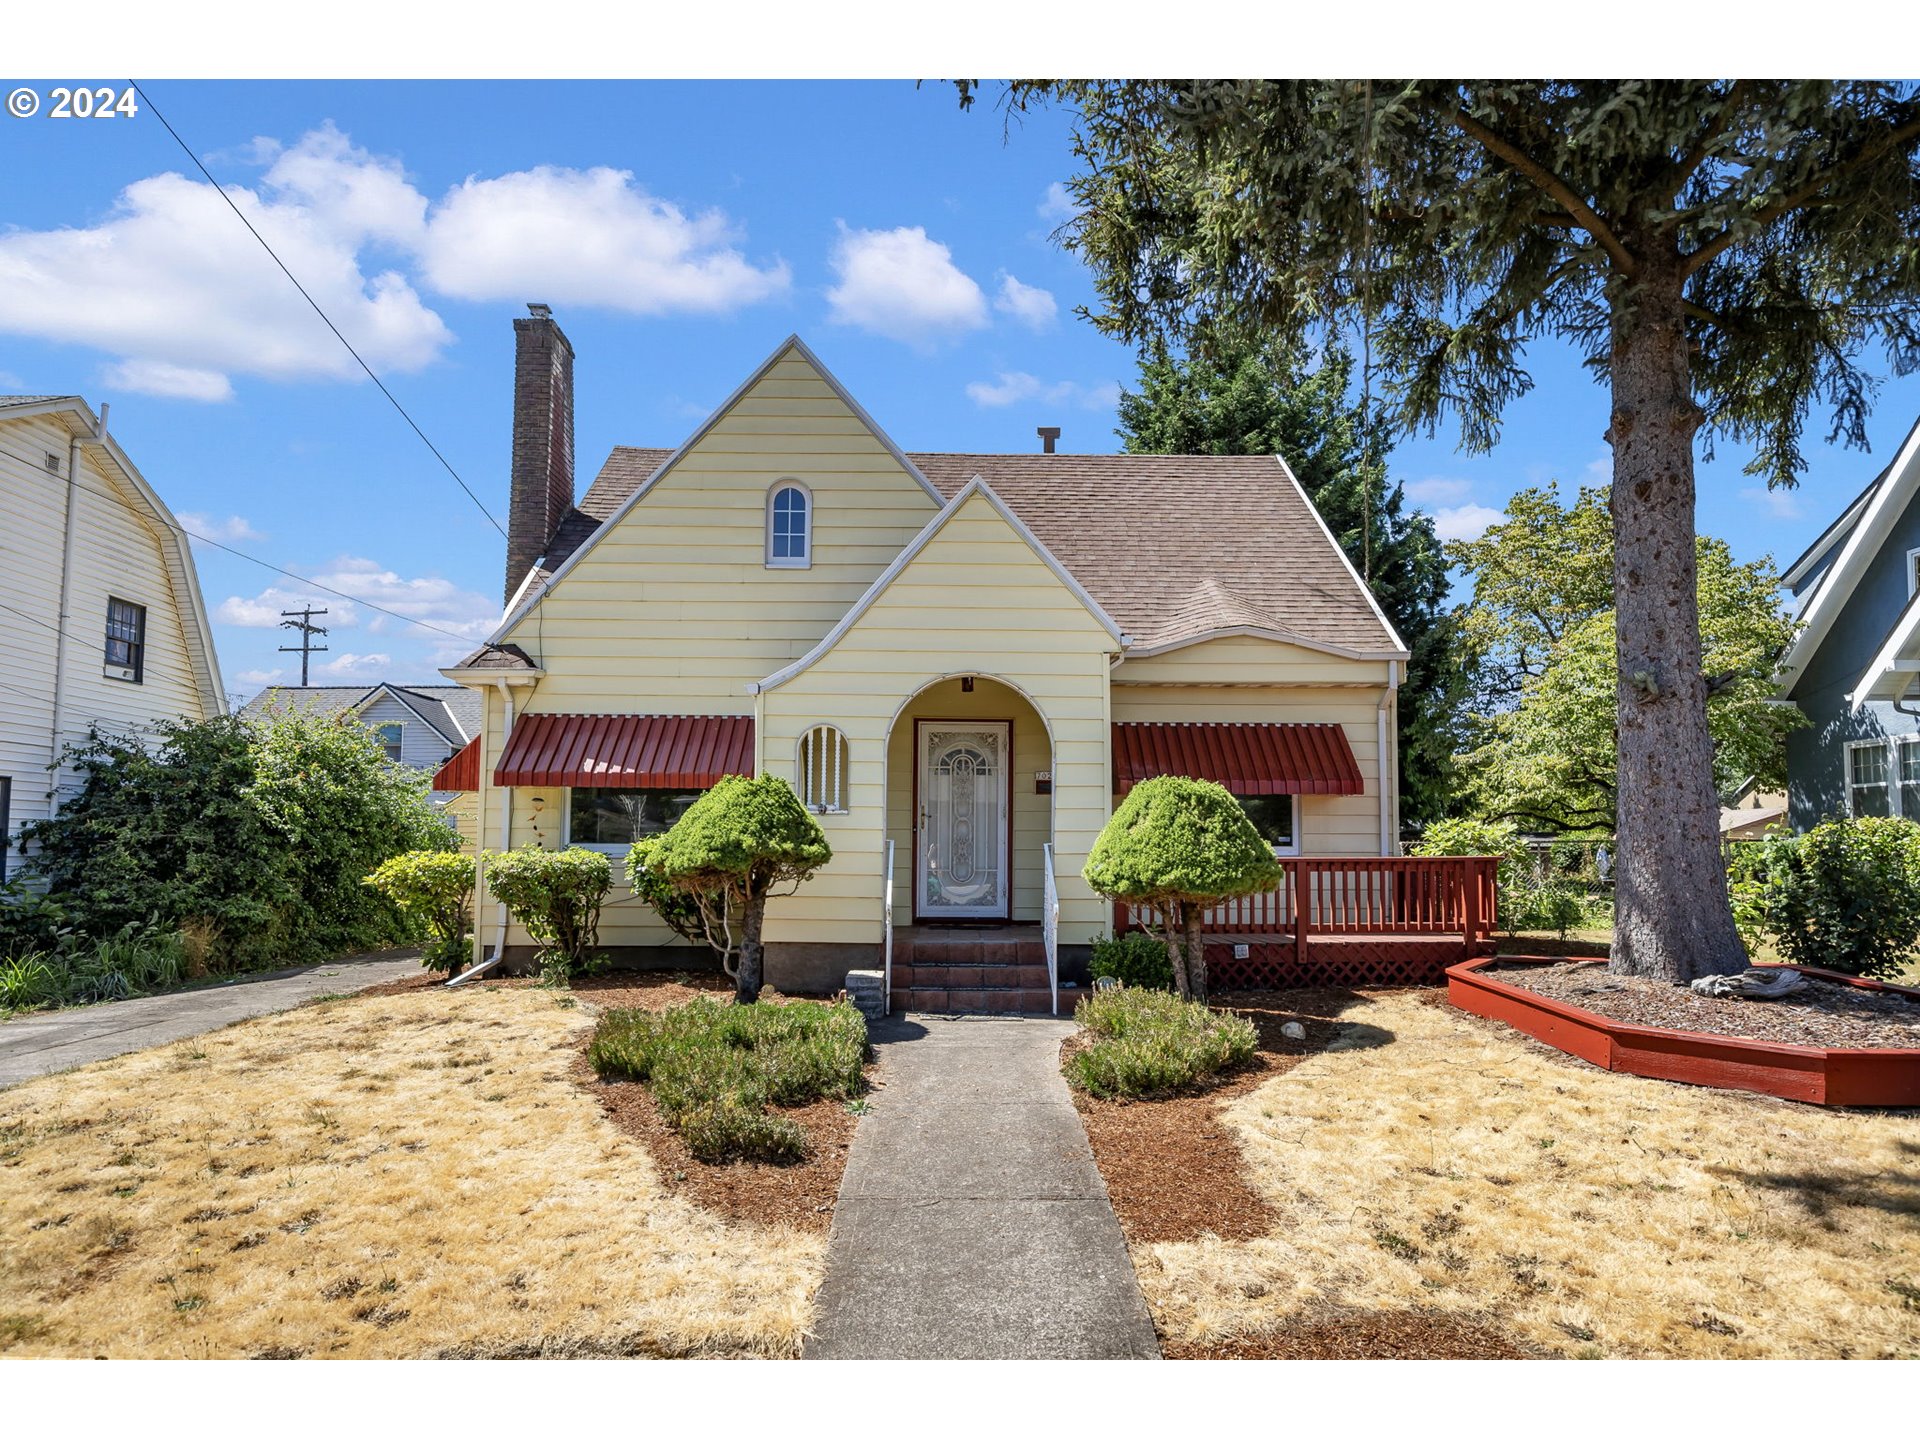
{"x": 420, "y": 726}
{"x": 1853, "y": 667}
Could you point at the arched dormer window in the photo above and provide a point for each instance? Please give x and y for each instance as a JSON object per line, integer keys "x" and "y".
{"x": 789, "y": 526}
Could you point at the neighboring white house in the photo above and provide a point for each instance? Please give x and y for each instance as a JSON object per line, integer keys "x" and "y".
{"x": 101, "y": 609}
{"x": 419, "y": 726}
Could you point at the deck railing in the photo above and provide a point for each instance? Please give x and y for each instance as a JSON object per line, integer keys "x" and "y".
{"x": 1401, "y": 895}
{"x": 886, "y": 928}
{"x": 1050, "y": 923}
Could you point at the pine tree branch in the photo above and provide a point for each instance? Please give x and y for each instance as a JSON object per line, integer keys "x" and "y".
{"x": 1696, "y": 156}
{"x": 1583, "y": 214}
{"x": 1795, "y": 199}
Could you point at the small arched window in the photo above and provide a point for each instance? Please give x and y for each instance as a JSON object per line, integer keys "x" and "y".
{"x": 790, "y": 526}
{"x": 823, "y": 770}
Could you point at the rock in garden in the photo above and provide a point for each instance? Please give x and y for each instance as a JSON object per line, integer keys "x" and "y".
{"x": 1294, "y": 1030}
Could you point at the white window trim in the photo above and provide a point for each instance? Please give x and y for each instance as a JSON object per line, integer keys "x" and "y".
{"x": 1893, "y": 744}
{"x": 400, "y": 747}
{"x": 567, "y": 841}
{"x": 1288, "y": 852}
{"x": 843, "y": 750}
{"x": 1913, "y": 579}
{"x": 804, "y": 562}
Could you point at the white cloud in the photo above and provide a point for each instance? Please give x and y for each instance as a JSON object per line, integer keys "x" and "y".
{"x": 1437, "y": 490}
{"x": 1599, "y": 470}
{"x": 263, "y": 611}
{"x": 349, "y": 666}
{"x": 1029, "y": 304}
{"x": 588, "y": 237}
{"x": 1465, "y": 522}
{"x": 1016, "y": 387}
{"x": 903, "y": 285}
{"x": 1058, "y": 204}
{"x": 1779, "y": 504}
{"x": 260, "y": 677}
{"x": 170, "y": 284}
{"x": 233, "y": 529}
{"x": 11, "y": 383}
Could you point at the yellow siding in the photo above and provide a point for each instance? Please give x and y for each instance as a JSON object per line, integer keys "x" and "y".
{"x": 1245, "y": 679}
{"x": 1050, "y": 649}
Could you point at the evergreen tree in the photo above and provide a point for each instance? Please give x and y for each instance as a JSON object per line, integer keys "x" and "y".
{"x": 1259, "y": 398}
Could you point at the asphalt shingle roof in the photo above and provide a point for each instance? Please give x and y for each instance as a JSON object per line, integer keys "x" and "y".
{"x": 452, "y": 710}
{"x": 1171, "y": 546}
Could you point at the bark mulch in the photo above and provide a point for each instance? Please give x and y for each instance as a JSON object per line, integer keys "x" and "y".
{"x": 1823, "y": 1013}
{"x": 800, "y": 1196}
{"x": 1364, "y": 1335}
{"x": 1173, "y": 1171}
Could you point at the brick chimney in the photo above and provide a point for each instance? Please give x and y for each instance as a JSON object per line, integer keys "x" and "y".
{"x": 1049, "y": 437}
{"x": 542, "y": 441}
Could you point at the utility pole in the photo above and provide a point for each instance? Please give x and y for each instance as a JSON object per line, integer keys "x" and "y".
{"x": 302, "y": 620}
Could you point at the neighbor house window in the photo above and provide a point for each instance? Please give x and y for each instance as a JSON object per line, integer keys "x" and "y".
{"x": 614, "y": 819}
{"x": 389, "y": 738}
{"x": 1277, "y": 819}
{"x": 1913, "y": 571}
{"x": 823, "y": 770}
{"x": 1869, "y": 778}
{"x": 790, "y": 526}
{"x": 126, "y": 640}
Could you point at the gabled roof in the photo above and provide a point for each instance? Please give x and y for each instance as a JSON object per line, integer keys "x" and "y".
{"x": 1857, "y": 544}
{"x": 975, "y": 487}
{"x": 450, "y": 711}
{"x": 84, "y": 426}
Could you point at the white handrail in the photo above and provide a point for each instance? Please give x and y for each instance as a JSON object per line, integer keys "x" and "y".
{"x": 886, "y": 929}
{"x": 1050, "y": 923}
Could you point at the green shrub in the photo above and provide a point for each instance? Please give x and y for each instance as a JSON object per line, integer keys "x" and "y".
{"x": 1526, "y": 902}
{"x": 135, "y": 960}
{"x": 1149, "y": 1044}
{"x": 715, "y": 1068}
{"x": 728, "y": 852}
{"x": 434, "y": 889}
{"x": 1136, "y": 959}
{"x": 556, "y": 896}
{"x": 1552, "y": 906}
{"x": 1846, "y": 895}
{"x": 255, "y": 833}
{"x": 677, "y": 908}
{"x": 1174, "y": 847}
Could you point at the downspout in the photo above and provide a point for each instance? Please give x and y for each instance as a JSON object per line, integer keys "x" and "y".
{"x": 1387, "y": 763}
{"x": 506, "y": 843}
{"x": 62, "y": 616}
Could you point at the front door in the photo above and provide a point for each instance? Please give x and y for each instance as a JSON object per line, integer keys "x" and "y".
{"x": 960, "y": 847}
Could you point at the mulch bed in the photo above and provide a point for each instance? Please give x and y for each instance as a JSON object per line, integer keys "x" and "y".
{"x": 1823, "y": 1013}
{"x": 1364, "y": 1335}
{"x": 1173, "y": 1171}
{"x": 800, "y": 1196}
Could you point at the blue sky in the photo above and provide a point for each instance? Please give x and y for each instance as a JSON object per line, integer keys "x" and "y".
{"x": 680, "y": 230}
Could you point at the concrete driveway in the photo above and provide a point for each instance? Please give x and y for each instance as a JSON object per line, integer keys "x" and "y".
{"x": 40, "y": 1044}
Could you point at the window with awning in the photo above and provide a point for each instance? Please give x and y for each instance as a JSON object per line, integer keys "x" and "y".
{"x": 627, "y": 752}
{"x": 1247, "y": 758}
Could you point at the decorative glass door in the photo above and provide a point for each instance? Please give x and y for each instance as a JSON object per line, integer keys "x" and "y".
{"x": 960, "y": 846}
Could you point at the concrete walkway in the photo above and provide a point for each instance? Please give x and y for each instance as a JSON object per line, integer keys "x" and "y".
{"x": 33, "y": 1045}
{"x": 972, "y": 1222}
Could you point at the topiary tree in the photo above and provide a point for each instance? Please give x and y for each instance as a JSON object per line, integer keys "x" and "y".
{"x": 729, "y": 852}
{"x": 435, "y": 889}
{"x": 1174, "y": 847}
{"x": 556, "y": 897}
{"x": 1846, "y": 895}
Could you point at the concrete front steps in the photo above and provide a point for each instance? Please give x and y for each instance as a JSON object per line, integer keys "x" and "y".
{"x": 960, "y": 970}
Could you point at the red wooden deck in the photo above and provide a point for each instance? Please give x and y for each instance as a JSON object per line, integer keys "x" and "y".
{"x": 1338, "y": 921}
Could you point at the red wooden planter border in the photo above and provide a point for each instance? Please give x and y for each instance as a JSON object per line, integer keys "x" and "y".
{"x": 1811, "y": 1073}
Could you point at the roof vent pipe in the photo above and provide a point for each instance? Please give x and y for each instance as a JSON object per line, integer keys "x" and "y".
{"x": 1049, "y": 434}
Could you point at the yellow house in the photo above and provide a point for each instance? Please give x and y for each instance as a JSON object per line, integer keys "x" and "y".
{"x": 958, "y": 661}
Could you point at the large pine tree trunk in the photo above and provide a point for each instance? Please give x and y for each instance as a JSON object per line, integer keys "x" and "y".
{"x": 1672, "y": 920}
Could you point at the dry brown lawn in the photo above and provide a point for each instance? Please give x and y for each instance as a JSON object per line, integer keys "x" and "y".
{"x": 1431, "y": 1162}
{"x": 402, "y": 1175}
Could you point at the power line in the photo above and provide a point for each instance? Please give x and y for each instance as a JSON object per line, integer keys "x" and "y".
{"x": 391, "y": 398}
{"x": 302, "y": 620}
{"x": 178, "y": 528}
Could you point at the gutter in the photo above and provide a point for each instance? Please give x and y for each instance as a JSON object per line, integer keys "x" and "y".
{"x": 481, "y": 967}
{"x": 66, "y": 594}
{"x": 1385, "y": 759}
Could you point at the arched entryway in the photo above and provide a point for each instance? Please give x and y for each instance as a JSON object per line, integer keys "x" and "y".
{"x": 969, "y": 803}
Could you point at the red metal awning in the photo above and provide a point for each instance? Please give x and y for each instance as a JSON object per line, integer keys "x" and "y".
{"x": 631, "y": 752}
{"x": 1250, "y": 759}
{"x": 462, "y": 770}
